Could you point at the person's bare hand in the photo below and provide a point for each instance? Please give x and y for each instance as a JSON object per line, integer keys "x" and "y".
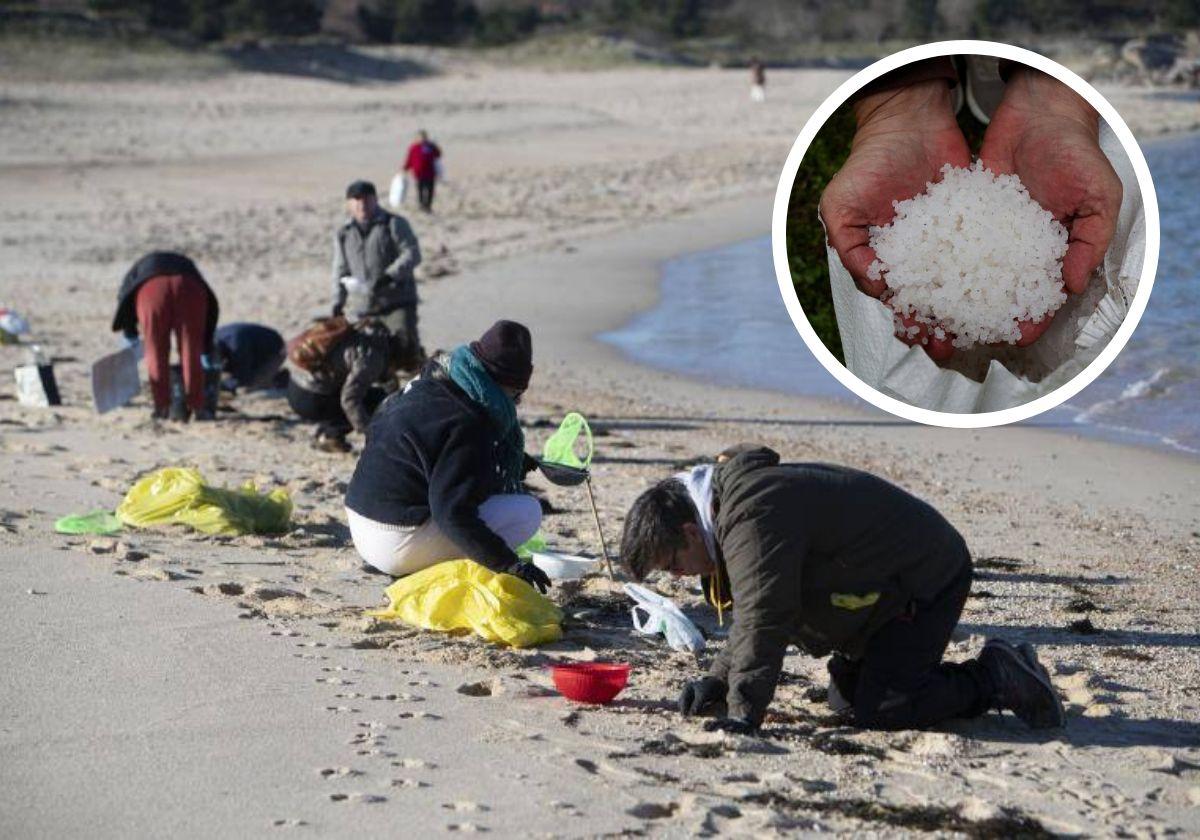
{"x": 904, "y": 138}
{"x": 1048, "y": 136}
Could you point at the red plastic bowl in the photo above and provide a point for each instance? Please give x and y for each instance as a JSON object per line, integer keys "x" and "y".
{"x": 590, "y": 682}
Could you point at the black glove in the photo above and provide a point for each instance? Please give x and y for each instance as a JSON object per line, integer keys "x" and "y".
{"x": 532, "y": 575}
{"x": 700, "y": 696}
{"x": 735, "y": 726}
{"x": 528, "y": 464}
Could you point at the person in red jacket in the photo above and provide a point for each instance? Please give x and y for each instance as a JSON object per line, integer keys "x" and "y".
{"x": 422, "y": 162}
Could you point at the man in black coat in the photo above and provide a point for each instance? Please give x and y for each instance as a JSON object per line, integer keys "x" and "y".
{"x": 836, "y": 561}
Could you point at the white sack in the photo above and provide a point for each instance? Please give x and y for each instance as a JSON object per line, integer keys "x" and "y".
{"x": 1082, "y": 327}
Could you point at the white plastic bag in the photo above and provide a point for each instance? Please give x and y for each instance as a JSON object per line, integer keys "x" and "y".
{"x": 662, "y": 616}
{"x": 398, "y": 189}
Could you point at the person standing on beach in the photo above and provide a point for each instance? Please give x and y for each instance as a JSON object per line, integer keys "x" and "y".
{"x": 164, "y": 294}
{"x": 836, "y": 561}
{"x": 374, "y": 256}
{"x": 423, "y": 161}
{"x": 442, "y": 474}
{"x": 758, "y": 81}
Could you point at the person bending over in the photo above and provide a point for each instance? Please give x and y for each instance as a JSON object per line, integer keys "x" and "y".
{"x": 836, "y": 561}
{"x": 338, "y": 374}
{"x": 164, "y": 294}
{"x": 442, "y": 472}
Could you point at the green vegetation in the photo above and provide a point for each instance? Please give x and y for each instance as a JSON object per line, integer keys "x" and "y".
{"x": 806, "y": 237}
{"x": 703, "y": 31}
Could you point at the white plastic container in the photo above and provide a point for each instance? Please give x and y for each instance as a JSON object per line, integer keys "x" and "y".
{"x": 564, "y": 566}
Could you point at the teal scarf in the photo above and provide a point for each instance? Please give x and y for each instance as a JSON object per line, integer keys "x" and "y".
{"x": 468, "y": 373}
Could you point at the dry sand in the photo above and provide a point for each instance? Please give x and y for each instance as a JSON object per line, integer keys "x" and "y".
{"x": 163, "y": 682}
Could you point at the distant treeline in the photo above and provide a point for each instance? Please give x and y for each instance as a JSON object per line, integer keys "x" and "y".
{"x": 751, "y": 21}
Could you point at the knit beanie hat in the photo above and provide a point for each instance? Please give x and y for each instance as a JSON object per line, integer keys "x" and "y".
{"x": 506, "y": 351}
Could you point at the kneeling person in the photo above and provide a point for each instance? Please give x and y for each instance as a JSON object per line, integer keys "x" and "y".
{"x": 441, "y": 475}
{"x": 837, "y": 561}
{"x": 336, "y": 377}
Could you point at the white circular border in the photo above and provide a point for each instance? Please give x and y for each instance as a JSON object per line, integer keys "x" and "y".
{"x": 899, "y": 407}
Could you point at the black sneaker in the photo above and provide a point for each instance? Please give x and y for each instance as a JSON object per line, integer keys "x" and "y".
{"x": 1022, "y": 685}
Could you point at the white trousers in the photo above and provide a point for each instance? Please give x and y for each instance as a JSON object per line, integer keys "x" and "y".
{"x": 404, "y": 549}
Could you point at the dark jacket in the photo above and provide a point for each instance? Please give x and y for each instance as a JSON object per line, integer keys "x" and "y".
{"x": 384, "y": 257}
{"x": 820, "y": 556}
{"x": 351, "y": 367}
{"x": 432, "y": 453}
{"x": 250, "y": 353}
{"x": 157, "y": 264}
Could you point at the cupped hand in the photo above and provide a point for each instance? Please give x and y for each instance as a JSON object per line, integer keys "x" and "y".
{"x": 904, "y": 138}
{"x": 1048, "y": 136}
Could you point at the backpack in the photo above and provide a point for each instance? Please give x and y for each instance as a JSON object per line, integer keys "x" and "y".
{"x": 309, "y": 350}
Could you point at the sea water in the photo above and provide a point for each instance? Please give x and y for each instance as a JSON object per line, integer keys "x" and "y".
{"x": 721, "y": 319}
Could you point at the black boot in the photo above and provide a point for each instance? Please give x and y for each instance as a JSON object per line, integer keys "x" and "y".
{"x": 1022, "y": 685}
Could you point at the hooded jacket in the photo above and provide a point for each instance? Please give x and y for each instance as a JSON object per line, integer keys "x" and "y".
{"x": 820, "y": 556}
{"x": 158, "y": 264}
{"x": 433, "y": 453}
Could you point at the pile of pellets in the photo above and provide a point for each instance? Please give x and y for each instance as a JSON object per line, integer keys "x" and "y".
{"x": 970, "y": 257}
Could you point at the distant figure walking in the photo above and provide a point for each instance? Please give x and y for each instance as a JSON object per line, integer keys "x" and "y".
{"x": 164, "y": 294}
{"x": 758, "y": 81}
{"x": 423, "y": 161}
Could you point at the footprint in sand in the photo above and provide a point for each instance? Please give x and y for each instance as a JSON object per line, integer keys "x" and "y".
{"x": 415, "y": 764}
{"x": 409, "y": 783}
{"x": 465, "y": 807}
{"x": 342, "y": 709}
{"x": 653, "y": 810}
{"x": 288, "y": 823}
{"x": 1091, "y": 695}
{"x": 466, "y": 827}
{"x": 337, "y": 772}
{"x": 362, "y": 798}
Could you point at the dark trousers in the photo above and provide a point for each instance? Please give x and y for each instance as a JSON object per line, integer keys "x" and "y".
{"x": 425, "y": 193}
{"x": 326, "y": 409}
{"x": 901, "y": 682}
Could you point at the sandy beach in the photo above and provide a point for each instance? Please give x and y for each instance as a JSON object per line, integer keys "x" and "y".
{"x": 163, "y": 682}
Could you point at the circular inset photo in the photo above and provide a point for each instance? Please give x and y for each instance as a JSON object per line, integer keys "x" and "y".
{"x": 965, "y": 234}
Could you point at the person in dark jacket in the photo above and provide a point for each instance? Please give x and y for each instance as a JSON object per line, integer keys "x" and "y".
{"x": 250, "y": 355}
{"x": 374, "y": 256}
{"x": 441, "y": 477}
{"x": 344, "y": 389}
{"x": 164, "y": 294}
{"x": 836, "y": 561}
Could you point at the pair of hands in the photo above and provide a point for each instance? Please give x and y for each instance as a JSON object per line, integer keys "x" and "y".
{"x": 1042, "y": 131}
{"x": 708, "y": 694}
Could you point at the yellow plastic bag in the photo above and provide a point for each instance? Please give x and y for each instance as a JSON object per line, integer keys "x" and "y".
{"x": 178, "y": 495}
{"x": 462, "y": 595}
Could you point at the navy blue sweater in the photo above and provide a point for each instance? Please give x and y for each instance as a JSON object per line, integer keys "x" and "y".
{"x": 431, "y": 452}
